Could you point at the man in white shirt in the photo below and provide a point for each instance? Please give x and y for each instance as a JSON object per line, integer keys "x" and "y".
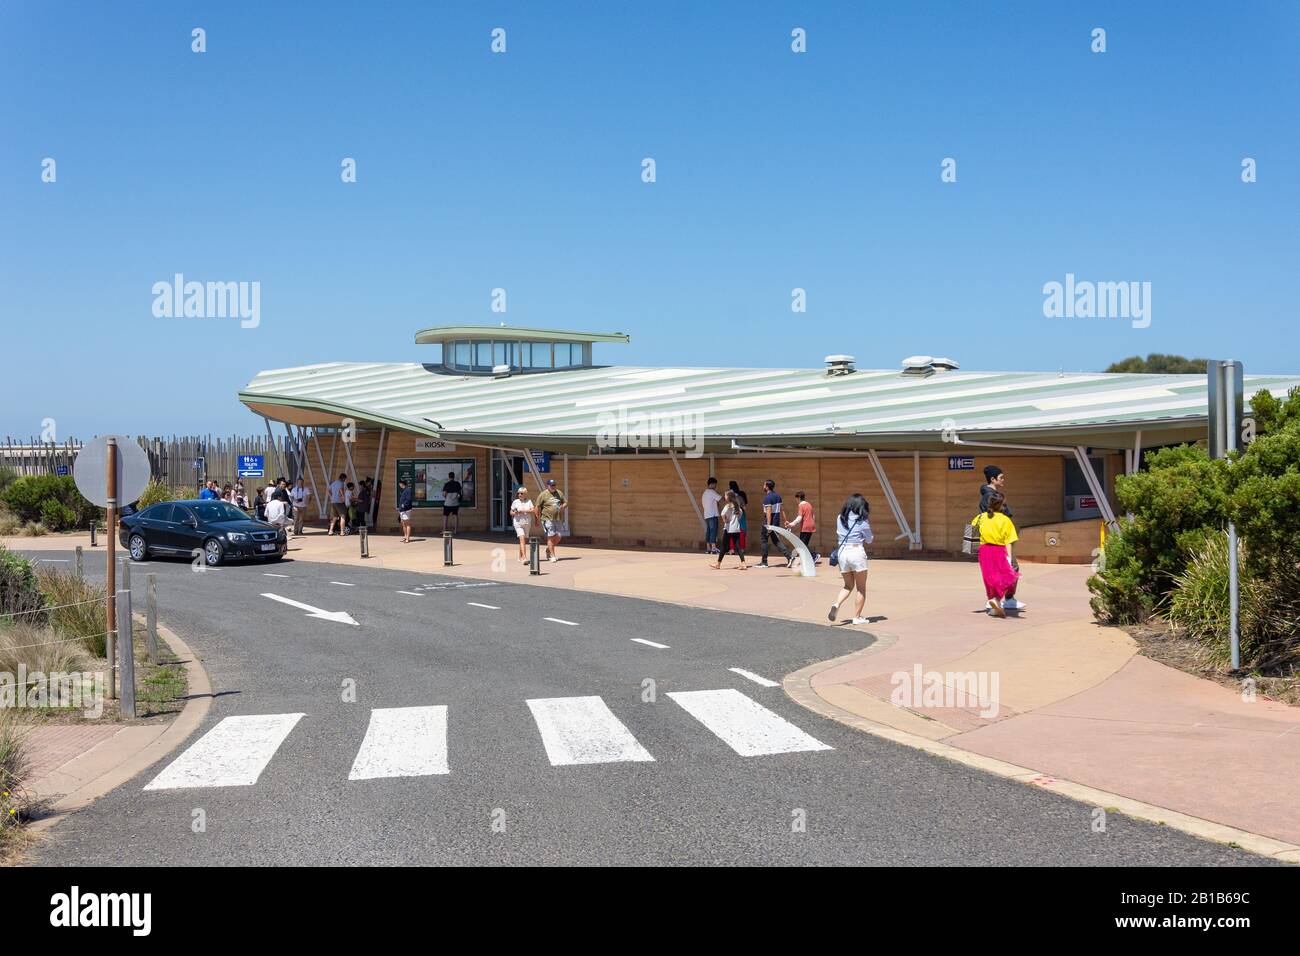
{"x": 710, "y": 500}
{"x": 277, "y": 513}
{"x": 338, "y": 509}
{"x": 300, "y": 495}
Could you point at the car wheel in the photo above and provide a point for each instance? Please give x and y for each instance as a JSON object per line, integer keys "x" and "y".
{"x": 213, "y": 554}
{"x": 138, "y": 548}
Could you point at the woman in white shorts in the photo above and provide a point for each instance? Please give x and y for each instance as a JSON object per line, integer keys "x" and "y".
{"x": 521, "y": 514}
{"x": 852, "y": 535}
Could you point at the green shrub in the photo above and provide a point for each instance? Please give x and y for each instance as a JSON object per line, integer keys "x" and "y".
{"x": 1120, "y": 595}
{"x": 57, "y": 516}
{"x": 9, "y": 522}
{"x": 8, "y": 475}
{"x": 26, "y": 497}
{"x": 153, "y": 493}
{"x": 34, "y": 529}
{"x": 14, "y": 766}
{"x": 20, "y": 593}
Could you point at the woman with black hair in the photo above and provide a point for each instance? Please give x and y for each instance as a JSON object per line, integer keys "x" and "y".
{"x": 852, "y": 535}
{"x": 744, "y": 504}
{"x": 997, "y": 542}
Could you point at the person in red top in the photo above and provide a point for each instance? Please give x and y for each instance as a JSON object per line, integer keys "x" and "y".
{"x": 804, "y": 525}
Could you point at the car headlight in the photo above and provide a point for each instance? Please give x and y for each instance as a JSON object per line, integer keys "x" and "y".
{"x": 236, "y": 536}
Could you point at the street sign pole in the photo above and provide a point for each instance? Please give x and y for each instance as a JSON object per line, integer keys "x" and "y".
{"x": 1234, "y": 593}
{"x": 111, "y": 595}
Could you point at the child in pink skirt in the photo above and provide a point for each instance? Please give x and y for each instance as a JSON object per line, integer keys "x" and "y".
{"x": 997, "y": 535}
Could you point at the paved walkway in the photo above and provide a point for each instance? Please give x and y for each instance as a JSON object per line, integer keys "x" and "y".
{"x": 1060, "y": 694}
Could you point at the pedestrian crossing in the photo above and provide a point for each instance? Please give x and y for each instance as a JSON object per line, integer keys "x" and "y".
{"x": 413, "y": 741}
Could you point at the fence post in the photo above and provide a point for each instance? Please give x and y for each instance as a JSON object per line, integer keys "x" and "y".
{"x": 151, "y": 617}
{"x": 126, "y": 650}
{"x": 126, "y": 572}
{"x": 81, "y": 568}
{"x": 534, "y": 556}
{"x": 446, "y": 549}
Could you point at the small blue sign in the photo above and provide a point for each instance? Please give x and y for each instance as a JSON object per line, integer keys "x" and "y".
{"x": 61, "y": 470}
{"x": 251, "y": 466}
{"x": 961, "y": 463}
{"x": 541, "y": 460}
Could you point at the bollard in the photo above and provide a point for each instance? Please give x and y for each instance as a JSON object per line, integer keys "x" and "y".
{"x": 94, "y": 543}
{"x": 446, "y": 549}
{"x": 534, "y": 556}
{"x": 363, "y": 533}
{"x": 151, "y": 617}
{"x": 81, "y": 568}
{"x": 126, "y": 651}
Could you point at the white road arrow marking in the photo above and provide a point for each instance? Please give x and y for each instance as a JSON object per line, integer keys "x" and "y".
{"x": 343, "y": 617}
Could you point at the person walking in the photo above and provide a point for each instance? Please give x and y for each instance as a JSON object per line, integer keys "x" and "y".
{"x": 709, "y": 503}
{"x": 852, "y": 535}
{"x": 338, "y": 508}
{"x": 299, "y": 497}
{"x": 277, "y": 513}
{"x": 994, "y": 480}
{"x": 451, "y": 492}
{"x": 405, "y": 502}
{"x": 551, "y": 508}
{"x": 772, "y": 518}
{"x": 997, "y": 539}
{"x": 521, "y": 516}
{"x": 744, "y": 507}
{"x": 732, "y": 514}
{"x": 362, "y": 504}
{"x": 803, "y": 524}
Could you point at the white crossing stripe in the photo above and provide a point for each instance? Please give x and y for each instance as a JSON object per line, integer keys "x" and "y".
{"x": 490, "y": 607}
{"x": 642, "y": 640}
{"x": 412, "y": 593}
{"x": 750, "y": 675}
{"x": 268, "y": 574}
{"x": 343, "y": 584}
{"x": 232, "y": 754}
{"x": 745, "y": 726}
{"x": 403, "y": 742}
{"x": 584, "y": 730}
{"x": 560, "y": 620}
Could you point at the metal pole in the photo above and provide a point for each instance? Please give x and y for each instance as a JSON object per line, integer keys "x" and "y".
{"x": 110, "y": 590}
{"x": 447, "y": 539}
{"x": 81, "y": 567}
{"x": 1234, "y": 595}
{"x": 534, "y": 556}
{"x": 151, "y": 616}
{"x": 916, "y": 497}
{"x": 126, "y": 650}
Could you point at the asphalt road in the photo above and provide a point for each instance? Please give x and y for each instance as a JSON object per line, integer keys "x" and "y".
{"x": 671, "y": 790}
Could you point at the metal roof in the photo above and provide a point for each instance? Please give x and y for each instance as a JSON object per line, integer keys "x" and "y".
{"x": 507, "y": 333}
{"x": 787, "y": 407}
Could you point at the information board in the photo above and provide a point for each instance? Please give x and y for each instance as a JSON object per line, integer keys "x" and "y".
{"x": 427, "y": 476}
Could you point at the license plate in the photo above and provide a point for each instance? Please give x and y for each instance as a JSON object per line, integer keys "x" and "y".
{"x": 267, "y": 547}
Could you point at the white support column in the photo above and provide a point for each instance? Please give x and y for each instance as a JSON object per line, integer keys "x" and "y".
{"x": 1137, "y": 450}
{"x": 695, "y": 505}
{"x": 905, "y": 530}
{"x": 379, "y": 460}
{"x": 325, "y": 476}
{"x": 1097, "y": 489}
{"x": 916, "y": 493}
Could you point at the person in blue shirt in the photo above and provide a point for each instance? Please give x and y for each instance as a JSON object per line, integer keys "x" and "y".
{"x": 772, "y": 516}
{"x": 852, "y": 535}
{"x": 405, "y": 501}
{"x": 209, "y": 491}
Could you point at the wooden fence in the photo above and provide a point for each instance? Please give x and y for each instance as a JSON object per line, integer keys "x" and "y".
{"x": 181, "y": 462}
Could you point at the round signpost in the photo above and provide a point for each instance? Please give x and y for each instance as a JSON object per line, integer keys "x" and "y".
{"x": 109, "y": 469}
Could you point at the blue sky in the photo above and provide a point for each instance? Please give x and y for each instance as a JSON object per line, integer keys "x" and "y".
{"x": 522, "y": 170}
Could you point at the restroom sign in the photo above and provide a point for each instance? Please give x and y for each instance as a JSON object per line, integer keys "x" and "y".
{"x": 961, "y": 463}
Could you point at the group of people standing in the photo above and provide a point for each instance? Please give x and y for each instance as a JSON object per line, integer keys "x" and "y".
{"x": 350, "y": 504}
{"x": 726, "y": 523}
{"x": 278, "y": 504}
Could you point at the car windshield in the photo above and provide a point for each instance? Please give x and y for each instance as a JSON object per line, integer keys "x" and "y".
{"x": 218, "y": 511}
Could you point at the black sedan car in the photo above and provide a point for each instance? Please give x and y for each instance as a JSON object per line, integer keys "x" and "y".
{"x": 217, "y": 529}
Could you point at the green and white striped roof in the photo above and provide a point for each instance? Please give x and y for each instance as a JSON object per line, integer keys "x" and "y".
{"x": 761, "y": 406}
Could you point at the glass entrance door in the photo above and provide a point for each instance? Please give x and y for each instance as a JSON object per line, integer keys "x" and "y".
{"x": 507, "y": 475}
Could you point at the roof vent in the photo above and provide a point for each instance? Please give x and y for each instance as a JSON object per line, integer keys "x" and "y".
{"x": 945, "y": 364}
{"x": 839, "y": 365}
{"x": 921, "y": 365}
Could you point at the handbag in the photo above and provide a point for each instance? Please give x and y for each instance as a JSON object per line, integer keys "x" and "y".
{"x": 834, "y": 559}
{"x": 970, "y": 539}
